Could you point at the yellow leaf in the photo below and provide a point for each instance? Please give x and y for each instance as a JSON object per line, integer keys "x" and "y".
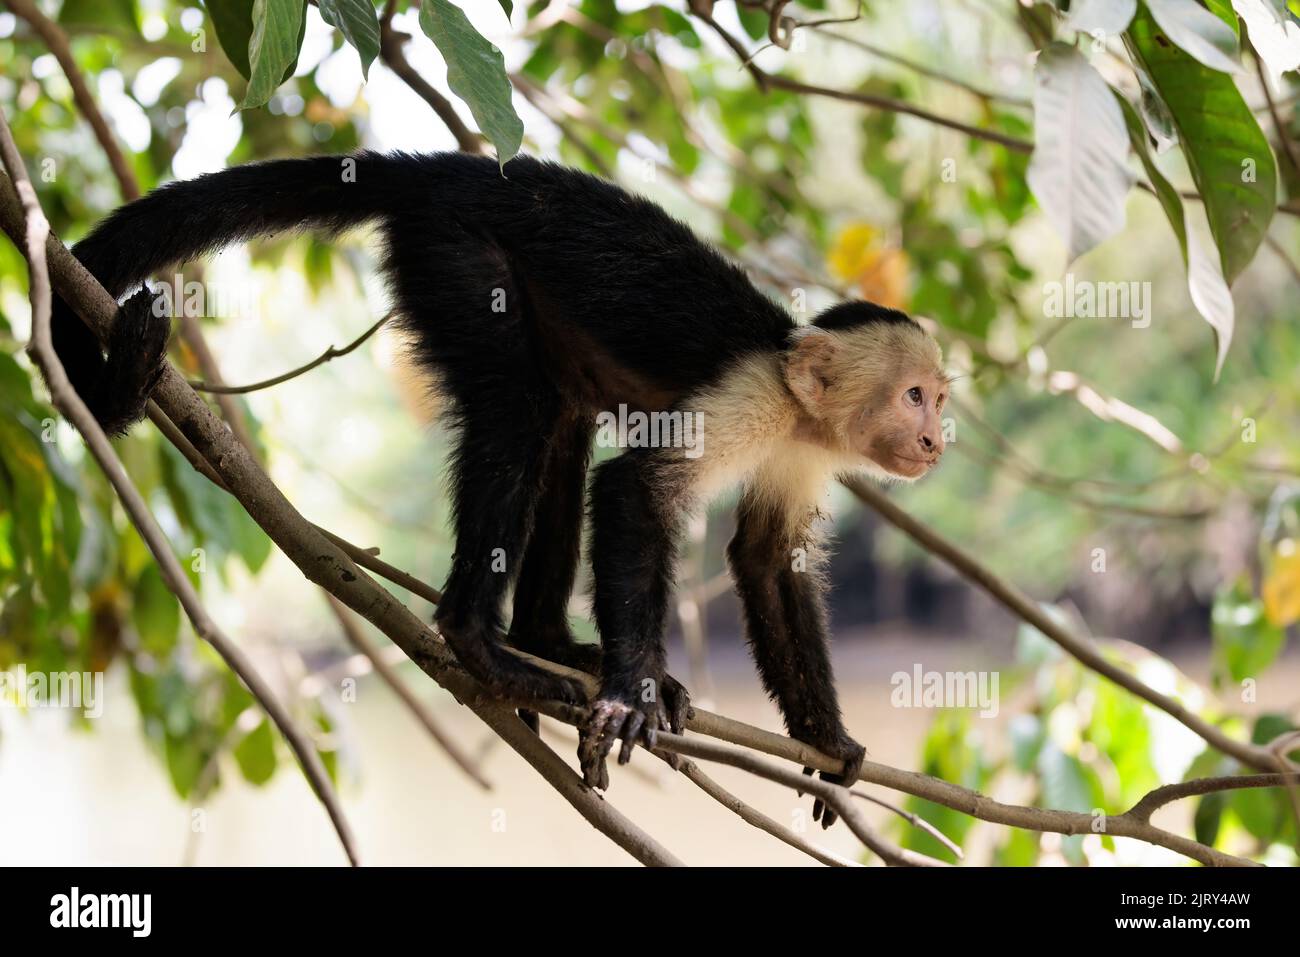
{"x": 1281, "y": 590}
{"x": 853, "y": 251}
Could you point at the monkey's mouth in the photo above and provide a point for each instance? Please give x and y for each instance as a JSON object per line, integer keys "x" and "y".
{"x": 910, "y": 466}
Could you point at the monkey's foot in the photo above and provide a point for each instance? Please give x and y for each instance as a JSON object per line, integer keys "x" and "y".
{"x": 675, "y": 709}
{"x": 633, "y": 720}
{"x": 852, "y": 754}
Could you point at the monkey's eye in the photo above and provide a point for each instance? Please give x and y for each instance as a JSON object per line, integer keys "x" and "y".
{"x": 914, "y": 396}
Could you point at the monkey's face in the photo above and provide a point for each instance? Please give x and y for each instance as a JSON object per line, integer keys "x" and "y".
{"x": 901, "y": 429}
{"x": 876, "y": 392}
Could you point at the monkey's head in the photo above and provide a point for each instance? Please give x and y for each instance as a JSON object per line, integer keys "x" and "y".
{"x": 870, "y": 382}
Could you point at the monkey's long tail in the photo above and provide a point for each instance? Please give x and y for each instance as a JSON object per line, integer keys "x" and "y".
{"x": 185, "y": 220}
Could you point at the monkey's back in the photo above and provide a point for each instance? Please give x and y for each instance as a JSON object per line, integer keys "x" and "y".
{"x": 613, "y": 269}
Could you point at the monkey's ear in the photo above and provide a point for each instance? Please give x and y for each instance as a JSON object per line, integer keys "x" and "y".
{"x": 808, "y": 366}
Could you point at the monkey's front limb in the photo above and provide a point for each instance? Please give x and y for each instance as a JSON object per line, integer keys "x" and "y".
{"x": 785, "y": 621}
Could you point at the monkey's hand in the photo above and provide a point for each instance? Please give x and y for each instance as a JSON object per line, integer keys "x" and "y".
{"x": 852, "y": 754}
{"x": 635, "y": 720}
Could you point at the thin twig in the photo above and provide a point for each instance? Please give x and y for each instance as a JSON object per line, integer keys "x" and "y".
{"x": 833, "y": 794}
{"x": 1287, "y": 146}
{"x": 217, "y": 388}
{"x": 914, "y": 819}
{"x": 758, "y": 819}
{"x": 925, "y": 70}
{"x": 766, "y": 81}
{"x": 1169, "y": 793}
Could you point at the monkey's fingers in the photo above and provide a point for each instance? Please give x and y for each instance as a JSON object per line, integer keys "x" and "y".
{"x": 632, "y": 726}
{"x": 609, "y": 721}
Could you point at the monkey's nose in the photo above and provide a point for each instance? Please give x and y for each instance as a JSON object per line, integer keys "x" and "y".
{"x": 931, "y": 446}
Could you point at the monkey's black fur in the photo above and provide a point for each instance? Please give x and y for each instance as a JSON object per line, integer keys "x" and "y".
{"x": 538, "y": 298}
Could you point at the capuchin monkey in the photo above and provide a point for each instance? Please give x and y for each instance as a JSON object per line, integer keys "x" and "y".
{"x": 539, "y": 299}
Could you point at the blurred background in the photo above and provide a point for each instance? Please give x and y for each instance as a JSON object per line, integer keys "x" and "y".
{"x": 1096, "y": 462}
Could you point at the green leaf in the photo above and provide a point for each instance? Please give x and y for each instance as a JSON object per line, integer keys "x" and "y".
{"x": 1245, "y": 641}
{"x": 185, "y": 761}
{"x": 233, "y": 21}
{"x": 278, "y": 27}
{"x": 508, "y": 6}
{"x": 1165, "y": 192}
{"x": 1208, "y": 817}
{"x": 255, "y": 754}
{"x": 1192, "y": 28}
{"x": 476, "y": 72}
{"x": 155, "y": 612}
{"x": 1226, "y": 151}
{"x": 359, "y": 24}
{"x": 1077, "y": 171}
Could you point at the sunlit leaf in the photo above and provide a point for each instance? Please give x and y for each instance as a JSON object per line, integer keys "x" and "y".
{"x": 1281, "y": 590}
{"x": 1104, "y": 17}
{"x": 1077, "y": 171}
{"x": 359, "y": 24}
{"x": 476, "y": 72}
{"x": 1226, "y": 151}
{"x": 1192, "y": 28}
{"x": 278, "y": 27}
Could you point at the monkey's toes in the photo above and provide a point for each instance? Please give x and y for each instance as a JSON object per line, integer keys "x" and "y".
{"x": 610, "y": 720}
{"x": 853, "y": 754}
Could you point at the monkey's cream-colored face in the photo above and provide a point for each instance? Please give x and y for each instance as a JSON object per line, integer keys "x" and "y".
{"x": 903, "y": 433}
{"x": 877, "y": 393}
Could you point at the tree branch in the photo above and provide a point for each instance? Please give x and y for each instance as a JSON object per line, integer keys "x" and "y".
{"x": 357, "y": 637}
